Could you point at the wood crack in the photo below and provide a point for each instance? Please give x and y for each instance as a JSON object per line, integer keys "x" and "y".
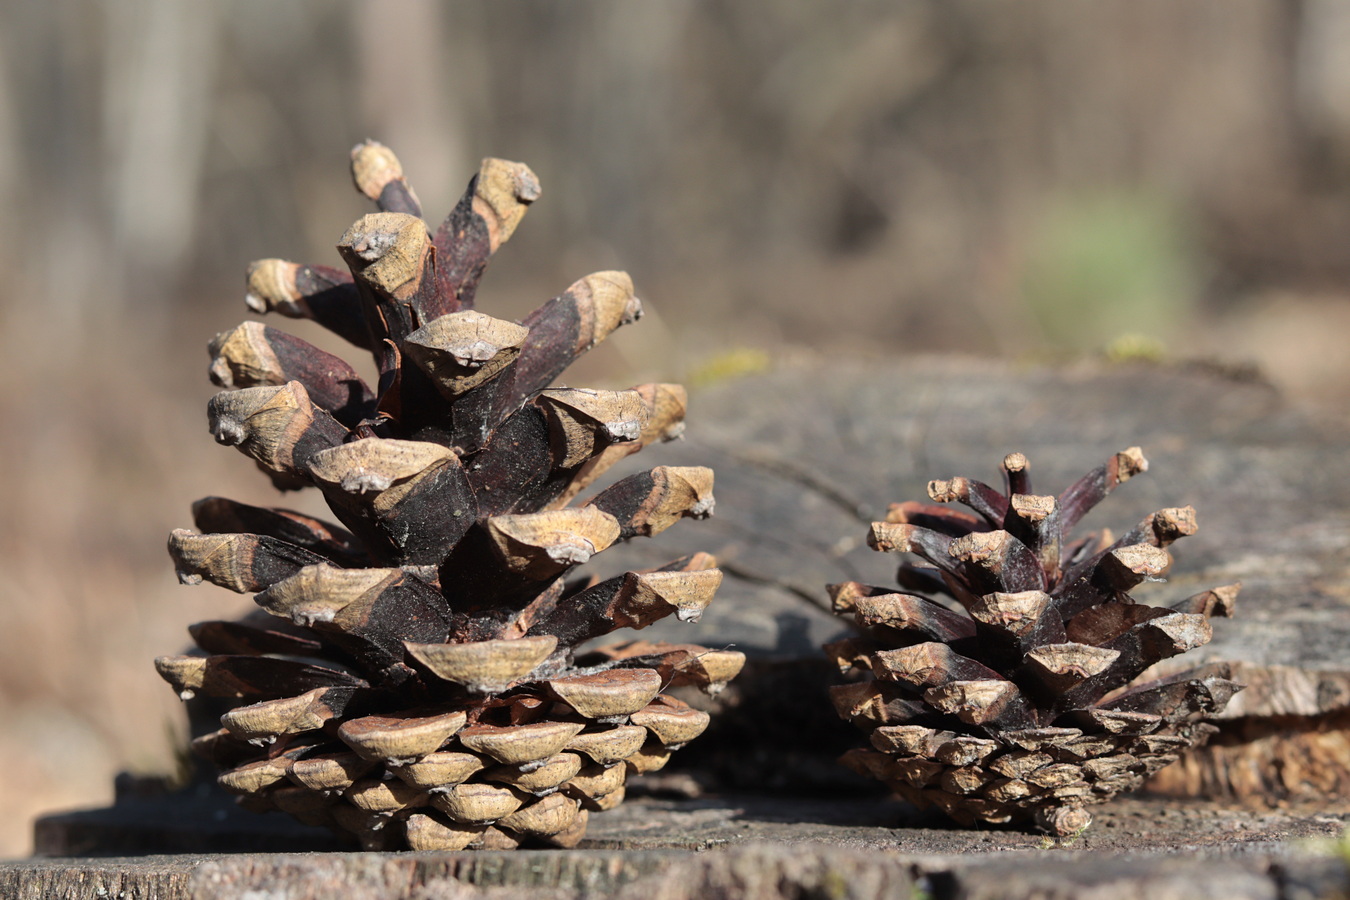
{"x": 810, "y": 481}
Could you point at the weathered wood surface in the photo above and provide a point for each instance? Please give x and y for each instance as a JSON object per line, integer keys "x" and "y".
{"x": 760, "y": 847}
{"x": 807, "y": 455}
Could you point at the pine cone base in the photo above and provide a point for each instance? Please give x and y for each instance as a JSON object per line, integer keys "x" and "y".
{"x": 1046, "y": 776}
{"x": 529, "y": 782}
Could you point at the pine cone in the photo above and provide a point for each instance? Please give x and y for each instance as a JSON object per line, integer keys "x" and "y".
{"x": 1012, "y": 699}
{"x": 417, "y": 682}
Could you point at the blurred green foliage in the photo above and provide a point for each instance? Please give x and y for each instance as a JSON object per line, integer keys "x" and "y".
{"x": 728, "y": 365}
{"x": 1105, "y": 265}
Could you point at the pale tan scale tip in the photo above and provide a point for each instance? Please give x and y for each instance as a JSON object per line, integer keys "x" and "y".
{"x": 1117, "y": 721}
{"x": 674, "y": 726}
{"x": 373, "y": 166}
{"x": 503, "y": 191}
{"x": 374, "y": 465}
{"x": 252, "y": 777}
{"x": 541, "y": 781}
{"x": 242, "y": 357}
{"x": 943, "y": 490}
{"x": 1145, "y": 560}
{"x": 319, "y": 593}
{"x": 1176, "y": 522}
{"x": 648, "y": 759}
{"x": 701, "y": 561}
{"x": 666, "y": 405}
{"x": 473, "y": 338}
{"x": 374, "y": 235}
{"x": 649, "y": 596}
{"x": 622, "y": 415}
{"x": 388, "y": 251}
{"x": 610, "y": 746}
{"x": 1014, "y": 612}
{"x": 261, "y": 723}
{"x": 845, "y": 595}
{"x": 523, "y": 183}
{"x": 1063, "y": 821}
{"x": 1130, "y": 462}
{"x": 484, "y": 666}
{"x": 425, "y": 833}
{"x": 1072, "y": 661}
{"x": 719, "y": 667}
{"x": 981, "y": 546}
{"x": 520, "y": 744}
{"x": 439, "y": 771}
{"x": 476, "y": 803}
{"x": 271, "y": 286}
{"x": 186, "y": 565}
{"x": 680, "y": 491}
{"x": 1032, "y": 507}
{"x": 464, "y": 349}
{"x": 328, "y": 773}
{"x": 1015, "y": 462}
{"x": 974, "y": 702}
{"x": 186, "y": 674}
{"x": 609, "y": 693}
{"x": 1226, "y": 599}
{"x": 229, "y": 412}
{"x": 542, "y": 542}
{"x": 607, "y": 801}
{"x": 383, "y": 797}
{"x": 1183, "y": 631}
{"x": 889, "y": 536}
{"x": 596, "y": 780}
{"x": 551, "y": 815}
{"x": 611, "y": 303}
{"x": 399, "y": 740}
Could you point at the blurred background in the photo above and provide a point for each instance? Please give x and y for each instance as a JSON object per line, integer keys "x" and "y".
{"x": 1036, "y": 180}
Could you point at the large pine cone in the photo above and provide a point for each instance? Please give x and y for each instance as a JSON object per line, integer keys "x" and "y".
{"x": 1009, "y": 698}
{"x": 417, "y": 682}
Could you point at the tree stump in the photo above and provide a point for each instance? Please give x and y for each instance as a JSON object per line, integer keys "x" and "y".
{"x": 806, "y": 456}
{"x": 764, "y": 848}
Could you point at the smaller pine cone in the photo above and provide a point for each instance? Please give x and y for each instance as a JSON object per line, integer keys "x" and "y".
{"x": 1010, "y": 698}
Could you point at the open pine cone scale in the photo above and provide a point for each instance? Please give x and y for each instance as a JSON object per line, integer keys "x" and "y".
{"x": 412, "y": 676}
{"x": 1010, "y": 698}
